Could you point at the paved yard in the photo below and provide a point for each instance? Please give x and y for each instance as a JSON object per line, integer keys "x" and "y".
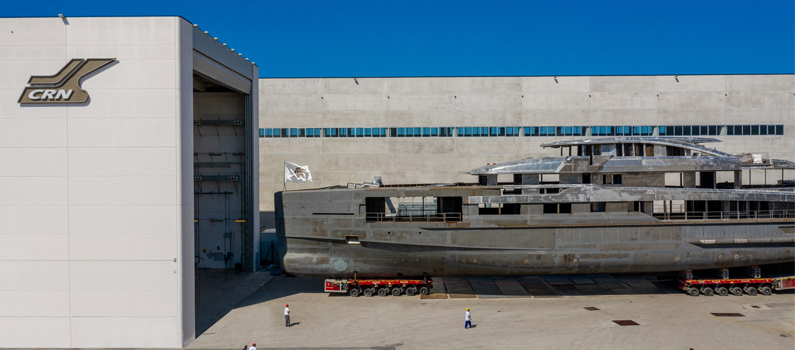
{"x": 509, "y": 313}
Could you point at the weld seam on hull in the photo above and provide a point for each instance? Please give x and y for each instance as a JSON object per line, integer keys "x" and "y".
{"x": 743, "y": 241}
{"x": 656, "y": 224}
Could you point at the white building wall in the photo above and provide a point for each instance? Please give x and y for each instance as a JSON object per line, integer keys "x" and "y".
{"x": 495, "y": 101}
{"x": 92, "y": 215}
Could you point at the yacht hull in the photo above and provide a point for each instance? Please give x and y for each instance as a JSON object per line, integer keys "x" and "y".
{"x": 320, "y": 244}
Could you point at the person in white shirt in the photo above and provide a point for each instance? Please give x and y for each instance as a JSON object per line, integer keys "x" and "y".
{"x": 468, "y": 320}
{"x": 253, "y": 347}
{"x": 287, "y": 315}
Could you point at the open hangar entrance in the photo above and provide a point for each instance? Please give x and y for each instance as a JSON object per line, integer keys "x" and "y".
{"x": 225, "y": 163}
{"x": 225, "y": 158}
{"x": 221, "y": 182}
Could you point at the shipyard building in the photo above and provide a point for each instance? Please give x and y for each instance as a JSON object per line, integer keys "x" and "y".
{"x": 129, "y": 159}
{"x": 433, "y": 130}
{"x": 137, "y": 150}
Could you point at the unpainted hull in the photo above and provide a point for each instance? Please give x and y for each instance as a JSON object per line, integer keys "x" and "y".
{"x": 408, "y": 249}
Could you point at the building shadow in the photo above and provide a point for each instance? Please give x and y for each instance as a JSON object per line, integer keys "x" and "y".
{"x": 283, "y": 286}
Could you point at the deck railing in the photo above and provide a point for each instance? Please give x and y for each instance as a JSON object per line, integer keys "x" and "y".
{"x": 728, "y": 215}
{"x": 439, "y": 217}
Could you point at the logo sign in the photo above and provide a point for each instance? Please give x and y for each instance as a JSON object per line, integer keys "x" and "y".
{"x": 64, "y": 86}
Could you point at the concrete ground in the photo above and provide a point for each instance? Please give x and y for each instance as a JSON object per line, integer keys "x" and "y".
{"x": 508, "y": 313}
{"x": 219, "y": 291}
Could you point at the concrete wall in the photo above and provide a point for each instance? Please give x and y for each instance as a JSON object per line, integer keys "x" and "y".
{"x": 495, "y": 101}
{"x": 91, "y": 203}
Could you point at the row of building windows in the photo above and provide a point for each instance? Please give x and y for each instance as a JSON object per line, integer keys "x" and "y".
{"x": 754, "y": 129}
{"x": 511, "y": 131}
{"x": 710, "y": 130}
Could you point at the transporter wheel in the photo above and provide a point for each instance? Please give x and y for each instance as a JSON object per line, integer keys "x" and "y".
{"x": 750, "y": 290}
{"x": 766, "y": 290}
{"x": 708, "y": 291}
{"x": 737, "y": 291}
{"x": 382, "y": 292}
{"x": 410, "y": 291}
{"x": 354, "y": 292}
{"x": 692, "y": 291}
{"x": 396, "y": 291}
{"x": 368, "y": 292}
{"x": 722, "y": 291}
{"x": 424, "y": 290}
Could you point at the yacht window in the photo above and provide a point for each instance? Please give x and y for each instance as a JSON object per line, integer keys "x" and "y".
{"x": 672, "y": 151}
{"x": 612, "y": 179}
{"x": 649, "y": 150}
{"x": 608, "y": 150}
{"x": 482, "y": 180}
{"x": 586, "y": 178}
{"x": 499, "y": 209}
{"x": 409, "y": 209}
{"x": 598, "y": 207}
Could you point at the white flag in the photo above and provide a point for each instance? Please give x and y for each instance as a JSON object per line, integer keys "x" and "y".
{"x": 295, "y": 173}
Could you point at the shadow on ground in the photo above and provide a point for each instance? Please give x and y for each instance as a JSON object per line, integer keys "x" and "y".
{"x": 283, "y": 286}
{"x": 219, "y": 291}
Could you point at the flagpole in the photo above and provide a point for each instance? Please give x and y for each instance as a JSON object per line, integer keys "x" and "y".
{"x": 284, "y": 176}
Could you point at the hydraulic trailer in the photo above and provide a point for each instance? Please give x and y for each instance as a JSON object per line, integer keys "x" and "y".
{"x": 723, "y": 287}
{"x": 383, "y": 287}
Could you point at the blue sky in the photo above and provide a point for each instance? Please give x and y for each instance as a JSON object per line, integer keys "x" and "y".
{"x": 480, "y": 38}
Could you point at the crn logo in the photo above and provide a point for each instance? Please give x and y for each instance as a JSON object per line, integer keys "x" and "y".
{"x": 64, "y": 86}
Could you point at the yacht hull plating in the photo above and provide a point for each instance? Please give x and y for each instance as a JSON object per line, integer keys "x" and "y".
{"x": 327, "y": 241}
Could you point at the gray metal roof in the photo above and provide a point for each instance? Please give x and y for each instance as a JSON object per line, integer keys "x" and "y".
{"x": 692, "y": 143}
{"x": 708, "y": 159}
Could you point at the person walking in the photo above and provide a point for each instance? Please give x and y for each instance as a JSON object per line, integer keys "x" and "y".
{"x": 287, "y": 315}
{"x": 253, "y": 346}
{"x": 468, "y": 319}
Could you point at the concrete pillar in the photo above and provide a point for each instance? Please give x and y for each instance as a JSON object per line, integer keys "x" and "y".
{"x": 533, "y": 209}
{"x": 738, "y": 179}
{"x": 689, "y": 179}
{"x": 581, "y": 207}
{"x": 616, "y": 207}
{"x": 648, "y": 207}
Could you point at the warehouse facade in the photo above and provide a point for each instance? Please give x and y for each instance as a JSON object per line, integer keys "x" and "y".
{"x": 129, "y": 158}
{"x": 432, "y": 130}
